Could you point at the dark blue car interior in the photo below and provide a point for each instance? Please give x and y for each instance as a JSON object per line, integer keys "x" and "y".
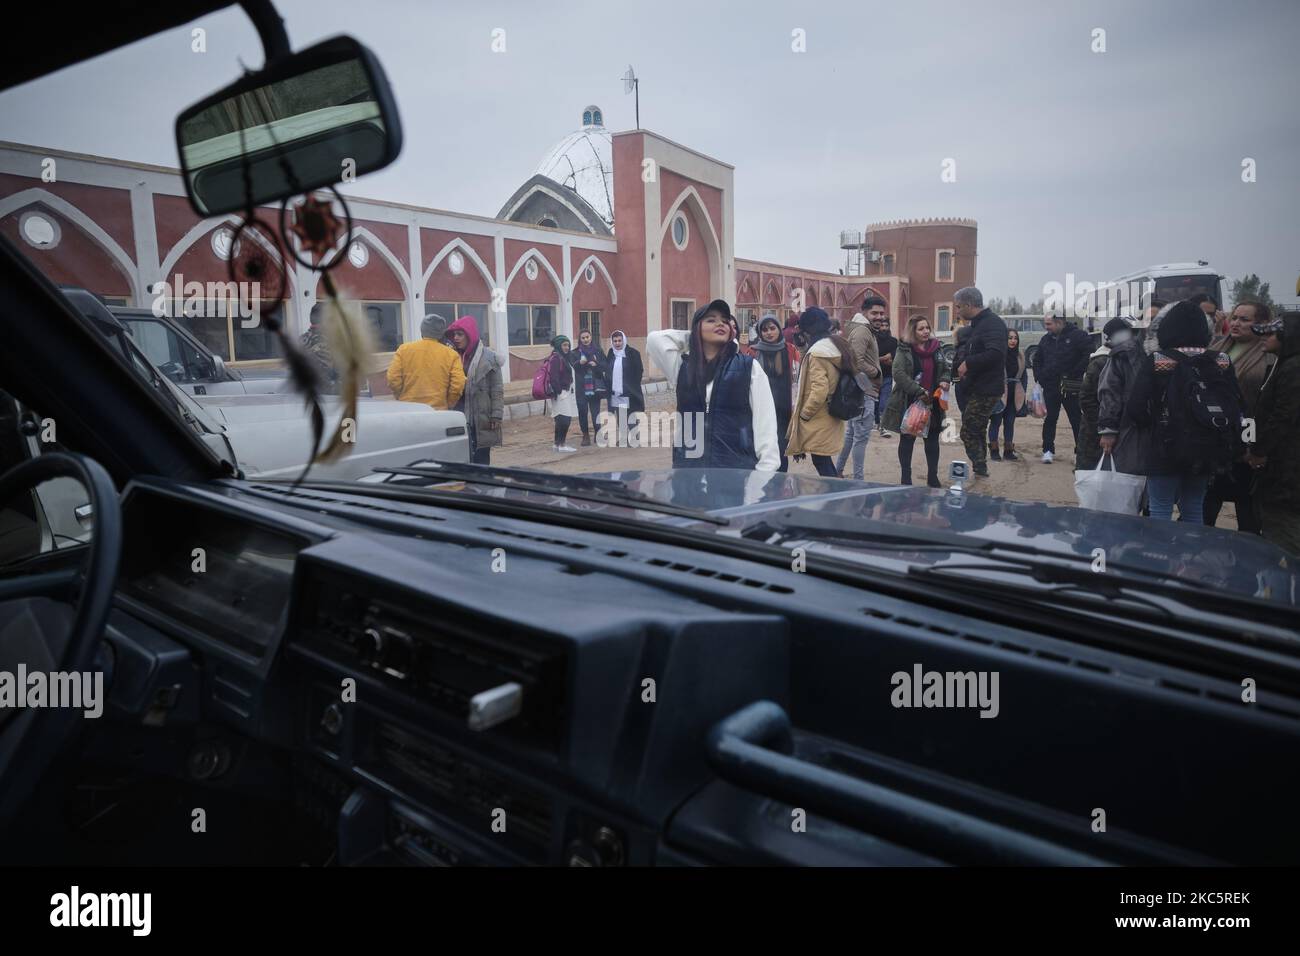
{"x": 674, "y": 708}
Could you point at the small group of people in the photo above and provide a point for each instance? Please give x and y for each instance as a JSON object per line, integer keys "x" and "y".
{"x": 1205, "y": 420}
{"x": 783, "y": 395}
{"x": 579, "y": 380}
{"x": 449, "y": 367}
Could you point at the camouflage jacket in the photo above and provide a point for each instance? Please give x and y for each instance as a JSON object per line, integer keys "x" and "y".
{"x": 313, "y": 342}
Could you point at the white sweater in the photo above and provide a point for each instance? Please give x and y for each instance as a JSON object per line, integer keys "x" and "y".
{"x": 666, "y": 348}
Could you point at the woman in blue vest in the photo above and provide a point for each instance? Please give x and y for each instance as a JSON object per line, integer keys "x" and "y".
{"x": 722, "y": 395}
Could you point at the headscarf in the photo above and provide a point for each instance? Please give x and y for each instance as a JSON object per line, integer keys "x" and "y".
{"x": 591, "y": 350}
{"x": 616, "y": 366}
{"x": 467, "y": 325}
{"x": 760, "y": 344}
{"x": 561, "y": 373}
{"x": 775, "y": 359}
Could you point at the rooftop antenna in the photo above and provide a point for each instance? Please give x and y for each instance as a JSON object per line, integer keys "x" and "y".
{"x": 632, "y": 85}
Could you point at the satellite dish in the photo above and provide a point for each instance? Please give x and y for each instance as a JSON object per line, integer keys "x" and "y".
{"x": 632, "y": 84}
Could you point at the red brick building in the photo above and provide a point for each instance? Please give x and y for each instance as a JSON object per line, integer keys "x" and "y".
{"x": 625, "y": 231}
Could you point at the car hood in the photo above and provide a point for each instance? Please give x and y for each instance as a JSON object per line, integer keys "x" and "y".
{"x": 1244, "y": 565}
{"x": 246, "y": 409}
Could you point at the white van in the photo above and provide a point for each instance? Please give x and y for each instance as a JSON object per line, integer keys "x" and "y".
{"x": 1126, "y": 297}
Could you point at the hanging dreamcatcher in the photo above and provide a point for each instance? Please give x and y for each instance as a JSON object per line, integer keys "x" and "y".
{"x": 317, "y": 237}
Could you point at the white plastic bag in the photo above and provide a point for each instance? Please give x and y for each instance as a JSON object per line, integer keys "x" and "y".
{"x": 1111, "y": 491}
{"x": 916, "y": 420}
{"x": 1037, "y": 402}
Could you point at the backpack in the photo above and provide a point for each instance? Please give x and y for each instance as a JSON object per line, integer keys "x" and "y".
{"x": 1198, "y": 418}
{"x": 848, "y": 400}
{"x": 542, "y": 381}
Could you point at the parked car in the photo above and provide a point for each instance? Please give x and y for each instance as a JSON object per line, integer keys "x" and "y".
{"x": 268, "y": 433}
{"x": 184, "y": 359}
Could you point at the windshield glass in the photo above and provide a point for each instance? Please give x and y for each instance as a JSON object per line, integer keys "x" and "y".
{"x": 551, "y": 278}
{"x": 1178, "y": 288}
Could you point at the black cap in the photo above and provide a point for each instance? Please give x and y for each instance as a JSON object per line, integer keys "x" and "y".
{"x": 718, "y": 306}
{"x": 814, "y": 318}
{"x": 1113, "y": 326}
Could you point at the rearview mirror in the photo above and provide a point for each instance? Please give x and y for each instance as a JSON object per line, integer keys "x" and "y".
{"x": 309, "y": 120}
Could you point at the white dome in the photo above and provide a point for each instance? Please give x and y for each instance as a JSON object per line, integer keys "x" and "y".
{"x": 583, "y": 161}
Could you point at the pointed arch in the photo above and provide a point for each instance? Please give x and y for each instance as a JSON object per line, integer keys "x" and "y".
{"x": 533, "y": 253}
{"x": 690, "y": 197}
{"x": 362, "y": 234}
{"x": 73, "y": 214}
{"x": 206, "y": 226}
{"x": 470, "y": 254}
{"x": 600, "y": 267}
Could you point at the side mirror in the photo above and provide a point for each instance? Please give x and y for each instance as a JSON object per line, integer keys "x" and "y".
{"x": 307, "y": 121}
{"x": 219, "y": 372}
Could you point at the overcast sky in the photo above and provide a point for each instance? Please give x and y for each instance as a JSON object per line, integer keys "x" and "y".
{"x": 1070, "y": 160}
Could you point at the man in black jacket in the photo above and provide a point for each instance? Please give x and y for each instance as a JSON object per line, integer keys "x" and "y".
{"x": 983, "y": 373}
{"x": 1059, "y": 364}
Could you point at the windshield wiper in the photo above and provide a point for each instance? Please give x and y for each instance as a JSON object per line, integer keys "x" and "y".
{"x": 1065, "y": 580}
{"x": 1049, "y": 567}
{"x": 607, "y": 491}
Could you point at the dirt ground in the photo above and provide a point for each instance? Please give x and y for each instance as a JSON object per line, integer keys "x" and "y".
{"x": 528, "y": 443}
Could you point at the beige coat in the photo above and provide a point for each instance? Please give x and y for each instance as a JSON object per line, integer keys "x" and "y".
{"x": 866, "y": 354}
{"x": 1251, "y": 368}
{"x": 813, "y": 431}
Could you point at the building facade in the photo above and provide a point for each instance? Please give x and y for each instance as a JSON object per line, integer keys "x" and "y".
{"x": 614, "y": 231}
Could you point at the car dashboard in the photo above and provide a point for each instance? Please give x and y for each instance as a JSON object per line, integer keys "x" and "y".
{"x": 454, "y": 687}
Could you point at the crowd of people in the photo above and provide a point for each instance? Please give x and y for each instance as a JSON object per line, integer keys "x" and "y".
{"x": 1199, "y": 404}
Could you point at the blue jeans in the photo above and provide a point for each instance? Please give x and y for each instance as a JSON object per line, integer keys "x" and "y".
{"x": 1006, "y": 418}
{"x": 1187, "y": 490}
{"x": 857, "y": 433}
{"x": 886, "y": 387}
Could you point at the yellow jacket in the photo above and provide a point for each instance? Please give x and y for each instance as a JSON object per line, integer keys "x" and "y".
{"x": 427, "y": 371}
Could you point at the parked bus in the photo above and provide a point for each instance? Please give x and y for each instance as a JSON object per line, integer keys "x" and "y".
{"x": 1128, "y": 295}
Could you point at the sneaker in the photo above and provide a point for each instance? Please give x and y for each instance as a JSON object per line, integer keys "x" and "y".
{"x": 995, "y": 455}
{"x": 564, "y": 449}
{"x": 1010, "y": 455}
{"x": 585, "y": 441}
{"x": 1048, "y": 458}
{"x": 885, "y": 434}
